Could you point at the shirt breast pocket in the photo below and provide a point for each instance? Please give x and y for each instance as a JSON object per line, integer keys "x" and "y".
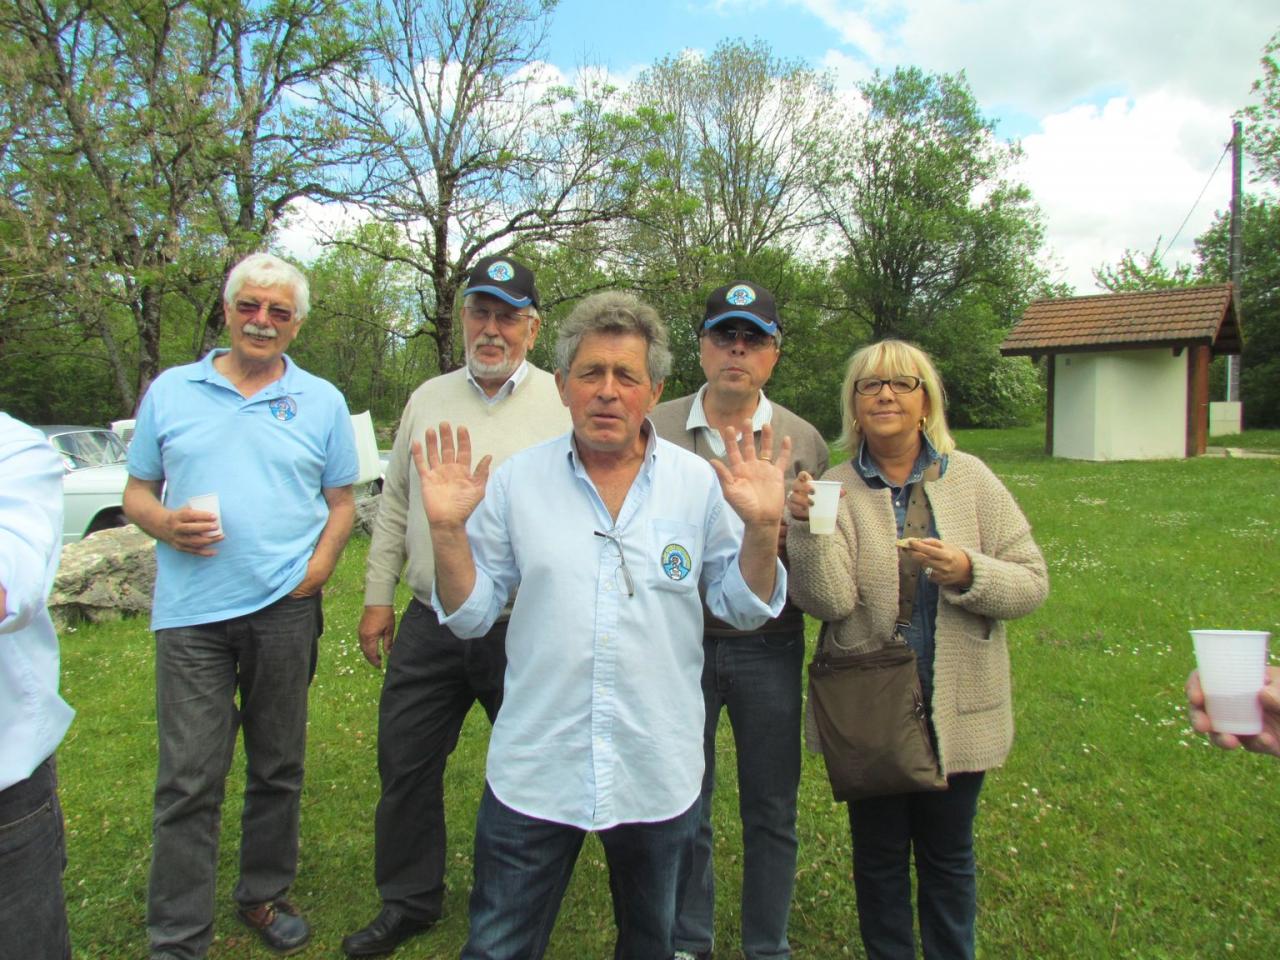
{"x": 675, "y": 556}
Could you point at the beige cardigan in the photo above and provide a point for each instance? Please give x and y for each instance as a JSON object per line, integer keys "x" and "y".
{"x": 850, "y": 579}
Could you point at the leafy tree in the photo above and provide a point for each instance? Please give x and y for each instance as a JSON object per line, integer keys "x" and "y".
{"x": 461, "y": 141}
{"x": 143, "y": 144}
{"x": 737, "y": 153}
{"x": 1262, "y": 119}
{"x": 1259, "y": 300}
{"x": 361, "y": 334}
{"x": 937, "y": 240}
{"x": 1131, "y": 274}
{"x": 926, "y": 207}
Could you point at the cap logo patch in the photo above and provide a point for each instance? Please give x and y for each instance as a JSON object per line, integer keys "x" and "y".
{"x": 675, "y": 561}
{"x": 741, "y": 295}
{"x": 501, "y": 271}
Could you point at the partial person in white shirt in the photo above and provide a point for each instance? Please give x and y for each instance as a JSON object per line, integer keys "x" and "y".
{"x": 33, "y": 716}
{"x": 614, "y": 537}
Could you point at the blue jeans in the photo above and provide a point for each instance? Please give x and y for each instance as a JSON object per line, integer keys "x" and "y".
{"x": 523, "y": 865}
{"x": 938, "y": 828}
{"x": 757, "y": 678}
{"x": 33, "y": 853}
{"x": 432, "y": 680}
{"x": 269, "y": 657}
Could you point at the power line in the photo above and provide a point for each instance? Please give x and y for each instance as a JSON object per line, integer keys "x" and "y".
{"x": 1216, "y": 167}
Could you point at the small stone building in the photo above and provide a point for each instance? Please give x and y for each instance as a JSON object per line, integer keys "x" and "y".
{"x": 1128, "y": 372}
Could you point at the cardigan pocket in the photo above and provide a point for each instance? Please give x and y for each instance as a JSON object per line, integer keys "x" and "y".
{"x": 983, "y": 681}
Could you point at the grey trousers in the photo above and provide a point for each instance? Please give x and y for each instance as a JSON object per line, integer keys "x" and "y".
{"x": 268, "y": 658}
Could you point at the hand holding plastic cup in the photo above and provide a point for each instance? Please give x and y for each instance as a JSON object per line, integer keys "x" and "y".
{"x": 1233, "y": 671}
{"x": 208, "y": 502}
{"x": 826, "y": 500}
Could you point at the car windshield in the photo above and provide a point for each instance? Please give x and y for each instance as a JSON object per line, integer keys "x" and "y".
{"x": 89, "y": 448}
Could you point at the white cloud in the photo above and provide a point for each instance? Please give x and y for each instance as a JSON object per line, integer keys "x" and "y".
{"x": 1121, "y": 176}
{"x": 1129, "y": 104}
{"x": 309, "y": 224}
{"x": 1041, "y": 56}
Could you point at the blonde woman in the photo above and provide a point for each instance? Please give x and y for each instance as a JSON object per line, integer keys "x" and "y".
{"x": 974, "y": 565}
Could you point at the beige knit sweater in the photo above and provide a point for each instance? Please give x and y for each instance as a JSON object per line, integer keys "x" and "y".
{"x": 401, "y": 537}
{"x": 850, "y": 579}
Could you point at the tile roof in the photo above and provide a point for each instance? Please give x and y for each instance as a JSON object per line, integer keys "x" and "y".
{"x": 1179, "y": 316}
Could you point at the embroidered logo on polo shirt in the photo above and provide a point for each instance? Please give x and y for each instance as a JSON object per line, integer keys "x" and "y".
{"x": 741, "y": 295}
{"x": 283, "y": 408}
{"x": 501, "y": 271}
{"x": 675, "y": 561}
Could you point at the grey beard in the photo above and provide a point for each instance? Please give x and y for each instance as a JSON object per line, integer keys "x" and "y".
{"x": 478, "y": 368}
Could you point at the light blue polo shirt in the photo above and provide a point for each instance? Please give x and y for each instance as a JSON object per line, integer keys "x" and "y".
{"x": 268, "y": 458}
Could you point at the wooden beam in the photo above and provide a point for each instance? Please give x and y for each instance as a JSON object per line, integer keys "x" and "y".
{"x": 1048, "y": 407}
{"x": 1198, "y": 400}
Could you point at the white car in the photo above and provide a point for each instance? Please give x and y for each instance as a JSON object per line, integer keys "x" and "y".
{"x": 93, "y": 486}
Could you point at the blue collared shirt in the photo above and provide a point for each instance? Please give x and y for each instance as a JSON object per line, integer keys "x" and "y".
{"x": 602, "y": 718}
{"x": 33, "y": 717}
{"x": 269, "y": 458}
{"x": 920, "y": 633}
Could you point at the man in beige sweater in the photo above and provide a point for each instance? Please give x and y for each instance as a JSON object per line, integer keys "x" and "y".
{"x": 433, "y": 677}
{"x": 754, "y": 674}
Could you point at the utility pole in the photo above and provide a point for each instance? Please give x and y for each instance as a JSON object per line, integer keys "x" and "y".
{"x": 1237, "y": 248}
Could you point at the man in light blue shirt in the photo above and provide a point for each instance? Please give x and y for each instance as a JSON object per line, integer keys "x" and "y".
{"x": 613, "y": 538}
{"x": 33, "y": 717}
{"x": 237, "y": 600}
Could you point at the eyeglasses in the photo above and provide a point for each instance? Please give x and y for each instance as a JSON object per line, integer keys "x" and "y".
{"x": 613, "y": 537}
{"x": 725, "y": 337}
{"x": 504, "y": 318}
{"x": 250, "y": 309}
{"x": 871, "y": 386}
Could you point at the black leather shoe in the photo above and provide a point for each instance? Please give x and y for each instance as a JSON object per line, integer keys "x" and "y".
{"x": 388, "y": 930}
{"x": 278, "y": 923}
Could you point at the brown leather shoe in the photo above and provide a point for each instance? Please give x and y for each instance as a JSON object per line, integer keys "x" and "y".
{"x": 278, "y": 923}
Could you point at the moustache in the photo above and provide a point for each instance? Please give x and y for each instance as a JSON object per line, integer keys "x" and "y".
{"x": 253, "y": 330}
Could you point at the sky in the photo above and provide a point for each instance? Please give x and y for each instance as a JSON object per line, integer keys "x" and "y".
{"x": 1123, "y": 107}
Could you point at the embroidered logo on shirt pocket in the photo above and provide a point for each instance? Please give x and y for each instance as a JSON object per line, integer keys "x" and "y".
{"x": 674, "y": 553}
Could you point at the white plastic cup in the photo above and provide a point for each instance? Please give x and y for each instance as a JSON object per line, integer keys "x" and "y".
{"x": 826, "y": 499}
{"x": 1233, "y": 671}
{"x": 208, "y": 502}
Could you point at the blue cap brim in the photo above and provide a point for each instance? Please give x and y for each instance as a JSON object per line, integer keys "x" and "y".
{"x": 500, "y": 294}
{"x": 769, "y": 328}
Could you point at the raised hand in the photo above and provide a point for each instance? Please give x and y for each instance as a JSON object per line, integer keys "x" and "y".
{"x": 753, "y": 485}
{"x": 450, "y": 490}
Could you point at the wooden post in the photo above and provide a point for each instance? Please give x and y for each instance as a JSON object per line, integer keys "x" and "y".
{"x": 1197, "y": 399}
{"x": 1051, "y": 360}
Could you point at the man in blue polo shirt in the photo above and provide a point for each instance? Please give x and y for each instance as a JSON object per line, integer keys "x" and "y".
{"x": 237, "y": 600}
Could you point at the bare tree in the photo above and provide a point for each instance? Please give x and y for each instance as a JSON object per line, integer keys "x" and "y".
{"x": 466, "y": 143}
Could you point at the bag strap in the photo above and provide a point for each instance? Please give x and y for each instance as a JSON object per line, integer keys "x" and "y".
{"x": 916, "y": 525}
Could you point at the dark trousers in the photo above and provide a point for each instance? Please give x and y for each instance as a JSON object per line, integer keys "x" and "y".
{"x": 523, "y": 866}
{"x": 432, "y": 680}
{"x": 938, "y": 829}
{"x": 267, "y": 657}
{"x": 756, "y": 679}
{"x": 33, "y": 853}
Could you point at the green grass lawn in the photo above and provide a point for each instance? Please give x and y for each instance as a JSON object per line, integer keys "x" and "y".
{"x": 1111, "y": 832}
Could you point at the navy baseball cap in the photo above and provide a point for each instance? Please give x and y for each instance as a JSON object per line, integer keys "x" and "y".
{"x": 743, "y": 301}
{"x": 504, "y": 278}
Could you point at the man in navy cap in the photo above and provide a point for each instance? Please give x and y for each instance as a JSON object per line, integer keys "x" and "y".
{"x": 433, "y": 677}
{"x": 754, "y": 674}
